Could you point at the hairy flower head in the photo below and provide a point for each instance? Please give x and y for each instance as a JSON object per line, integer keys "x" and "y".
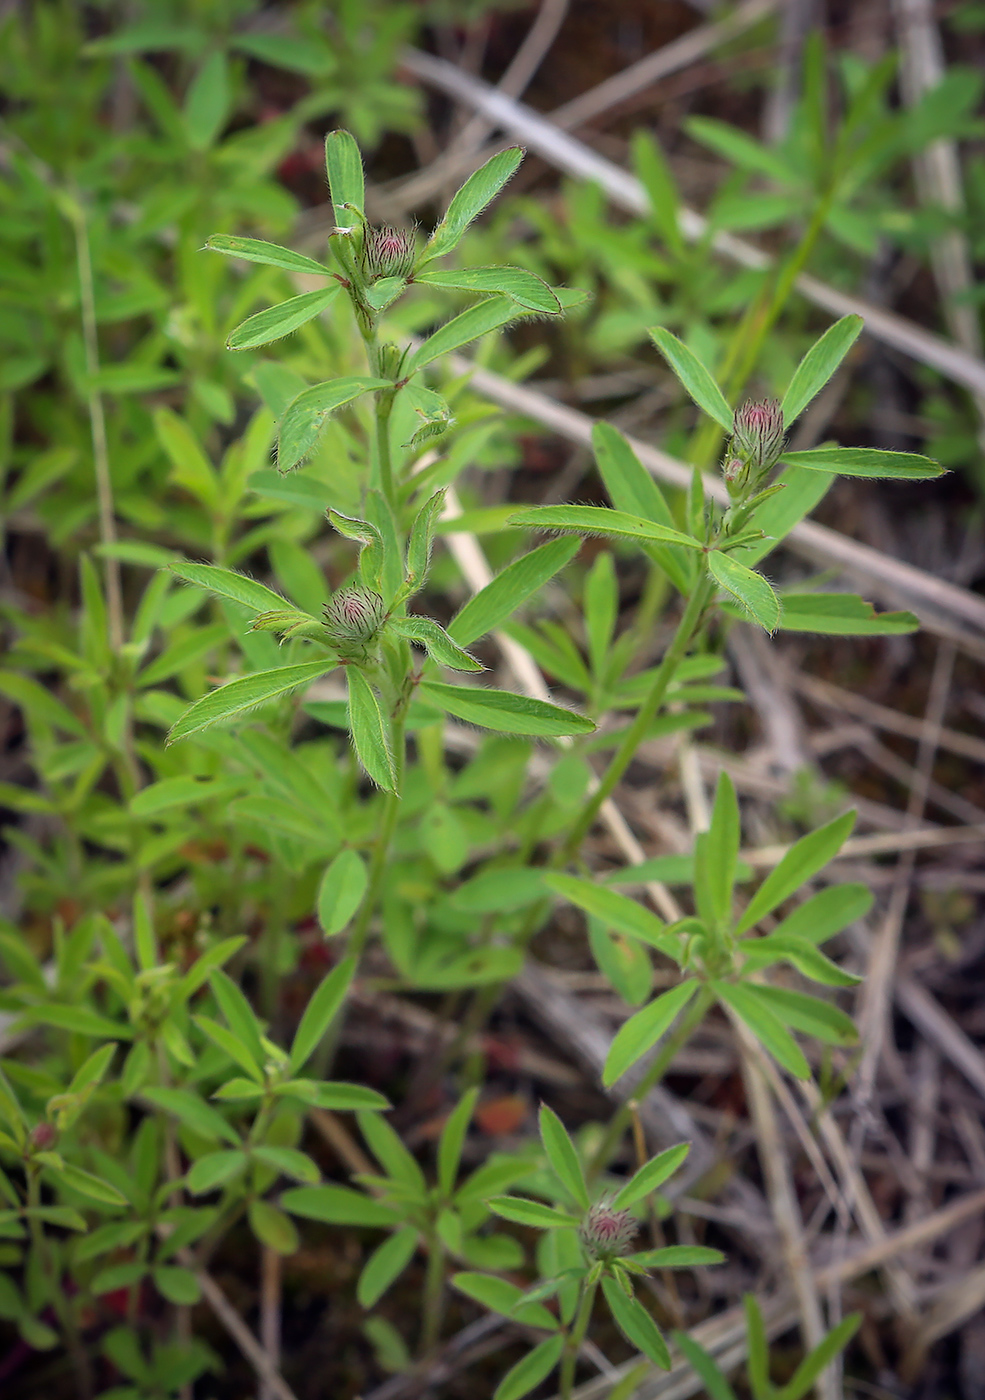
{"x": 354, "y": 615}
{"x": 606, "y": 1231}
{"x": 757, "y": 432}
{"x": 388, "y": 252}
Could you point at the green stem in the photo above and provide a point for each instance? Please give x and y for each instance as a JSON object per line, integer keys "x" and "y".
{"x": 622, "y": 1117}
{"x": 434, "y": 1287}
{"x": 384, "y": 836}
{"x": 636, "y": 733}
{"x": 61, "y": 1305}
{"x": 572, "y": 1345}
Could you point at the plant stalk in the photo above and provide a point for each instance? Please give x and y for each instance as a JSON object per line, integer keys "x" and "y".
{"x": 572, "y": 1345}
{"x": 636, "y": 733}
{"x": 434, "y": 1287}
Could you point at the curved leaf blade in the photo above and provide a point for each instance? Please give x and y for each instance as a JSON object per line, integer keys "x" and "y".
{"x": 246, "y": 693}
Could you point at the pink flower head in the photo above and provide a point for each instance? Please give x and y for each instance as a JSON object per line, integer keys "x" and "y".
{"x": 606, "y": 1231}
{"x": 388, "y": 252}
{"x": 354, "y": 615}
{"x": 757, "y": 432}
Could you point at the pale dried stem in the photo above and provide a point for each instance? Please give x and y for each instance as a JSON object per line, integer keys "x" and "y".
{"x": 270, "y": 1314}
{"x": 783, "y": 1200}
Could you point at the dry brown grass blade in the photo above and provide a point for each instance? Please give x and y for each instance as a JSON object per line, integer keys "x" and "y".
{"x": 927, "y": 1014}
{"x": 882, "y": 843}
{"x": 571, "y": 156}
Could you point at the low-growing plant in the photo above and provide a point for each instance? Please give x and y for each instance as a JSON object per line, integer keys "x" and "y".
{"x": 452, "y": 868}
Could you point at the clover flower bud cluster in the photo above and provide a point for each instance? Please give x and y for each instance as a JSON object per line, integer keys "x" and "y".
{"x": 605, "y": 1231}
{"x": 757, "y": 432}
{"x": 354, "y": 615}
{"x": 388, "y": 252}
{"x": 43, "y": 1136}
{"x": 756, "y": 445}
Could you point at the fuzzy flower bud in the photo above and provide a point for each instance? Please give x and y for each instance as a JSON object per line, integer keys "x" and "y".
{"x": 606, "y": 1231}
{"x": 388, "y": 252}
{"x": 43, "y": 1136}
{"x": 757, "y": 432}
{"x": 354, "y": 615}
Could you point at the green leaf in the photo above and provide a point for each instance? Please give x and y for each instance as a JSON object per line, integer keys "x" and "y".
{"x": 288, "y": 1161}
{"x": 505, "y": 1298}
{"x": 523, "y": 1212}
{"x": 332, "y": 1095}
{"x": 391, "y": 1153}
{"x": 190, "y": 467}
{"x": 809, "y": 1015}
{"x": 207, "y": 102}
{"x": 342, "y": 889}
{"x": 273, "y": 1228}
{"x": 306, "y": 416}
{"x": 385, "y": 1265}
{"x": 215, "y": 1169}
{"x": 78, "y": 1019}
{"x": 642, "y": 1031}
{"x": 246, "y": 693}
{"x": 117, "y": 1235}
{"x": 421, "y": 540}
{"x": 696, "y": 379}
{"x": 177, "y": 1285}
{"x": 344, "y": 166}
{"x": 503, "y": 711}
{"x": 841, "y": 615}
{"x": 337, "y": 1205}
{"x": 536, "y": 1366}
{"x": 468, "y": 325}
{"x": 599, "y": 520}
{"x": 225, "y": 583}
{"x": 867, "y": 462}
{"x": 369, "y": 731}
{"x": 256, "y": 250}
{"x": 231, "y": 1045}
{"x": 523, "y": 287}
{"x": 500, "y": 598}
{"x": 436, "y": 642}
{"x": 86, "y": 1184}
{"x": 651, "y": 1175}
{"x": 755, "y": 1012}
{"x": 240, "y": 1089}
{"x": 678, "y": 1256}
{"x": 750, "y": 588}
{"x": 480, "y": 189}
{"x": 823, "y": 1354}
{"x": 186, "y": 1106}
{"x": 759, "y": 1348}
{"x": 117, "y": 1276}
{"x": 320, "y": 1012}
{"x": 804, "y": 956}
{"x": 180, "y": 792}
{"x": 803, "y": 860}
{"x": 562, "y": 1156}
{"x": 634, "y": 492}
{"x": 827, "y": 913}
{"x": 278, "y": 321}
{"x": 238, "y": 1013}
{"x": 704, "y": 1367}
{"x": 635, "y": 1323}
{"x": 617, "y": 911}
{"x": 722, "y": 850}
{"x": 819, "y": 364}
{"x": 451, "y": 1141}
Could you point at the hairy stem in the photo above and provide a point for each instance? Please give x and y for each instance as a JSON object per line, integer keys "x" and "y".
{"x": 636, "y": 733}
{"x": 572, "y": 1345}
